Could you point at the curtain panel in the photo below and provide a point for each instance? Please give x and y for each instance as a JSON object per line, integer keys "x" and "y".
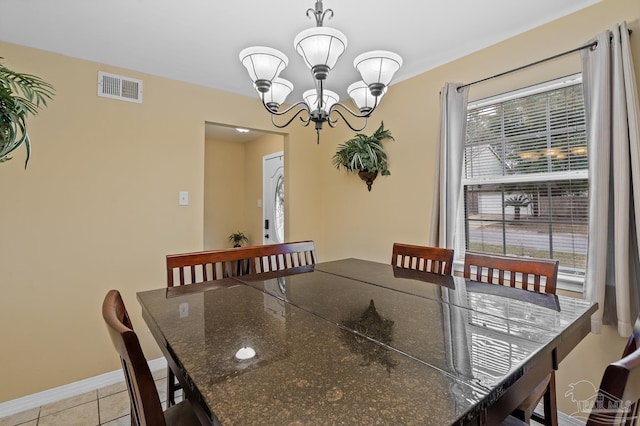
{"x": 447, "y": 194}
{"x": 613, "y": 142}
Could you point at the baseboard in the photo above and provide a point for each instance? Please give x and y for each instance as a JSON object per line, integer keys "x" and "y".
{"x": 67, "y": 391}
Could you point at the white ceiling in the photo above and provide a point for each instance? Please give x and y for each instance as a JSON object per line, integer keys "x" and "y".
{"x": 198, "y": 41}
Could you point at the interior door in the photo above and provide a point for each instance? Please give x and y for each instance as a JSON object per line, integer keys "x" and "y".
{"x": 273, "y": 198}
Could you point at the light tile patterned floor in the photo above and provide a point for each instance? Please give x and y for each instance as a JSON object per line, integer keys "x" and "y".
{"x": 108, "y": 406}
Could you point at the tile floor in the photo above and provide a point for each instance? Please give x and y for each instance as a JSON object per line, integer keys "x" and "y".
{"x": 108, "y": 406}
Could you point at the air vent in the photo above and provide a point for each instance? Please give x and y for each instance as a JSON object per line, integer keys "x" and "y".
{"x": 119, "y": 87}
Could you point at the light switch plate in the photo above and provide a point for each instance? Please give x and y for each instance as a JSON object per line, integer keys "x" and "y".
{"x": 183, "y": 198}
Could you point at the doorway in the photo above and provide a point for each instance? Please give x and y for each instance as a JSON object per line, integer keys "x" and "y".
{"x": 234, "y": 183}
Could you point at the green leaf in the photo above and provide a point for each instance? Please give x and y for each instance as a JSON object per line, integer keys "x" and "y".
{"x": 363, "y": 153}
{"x": 20, "y": 95}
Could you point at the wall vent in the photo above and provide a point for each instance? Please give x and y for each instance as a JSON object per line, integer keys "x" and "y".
{"x": 119, "y": 87}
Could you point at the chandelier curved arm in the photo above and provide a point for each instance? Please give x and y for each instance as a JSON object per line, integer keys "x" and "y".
{"x": 303, "y": 104}
{"x": 305, "y": 122}
{"x": 350, "y": 111}
{"x": 365, "y": 115}
{"x": 332, "y": 123}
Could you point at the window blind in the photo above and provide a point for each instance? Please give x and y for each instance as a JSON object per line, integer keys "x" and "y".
{"x": 526, "y": 176}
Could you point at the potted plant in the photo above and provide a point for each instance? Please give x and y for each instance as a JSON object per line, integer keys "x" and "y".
{"x": 20, "y": 95}
{"x": 365, "y": 155}
{"x": 238, "y": 238}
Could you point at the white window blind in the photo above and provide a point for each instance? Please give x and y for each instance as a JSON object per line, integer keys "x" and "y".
{"x": 526, "y": 177}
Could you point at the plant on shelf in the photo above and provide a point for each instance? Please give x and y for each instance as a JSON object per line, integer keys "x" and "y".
{"x": 365, "y": 155}
{"x": 238, "y": 238}
{"x": 20, "y": 95}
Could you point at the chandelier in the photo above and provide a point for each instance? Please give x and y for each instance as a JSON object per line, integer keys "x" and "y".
{"x": 320, "y": 48}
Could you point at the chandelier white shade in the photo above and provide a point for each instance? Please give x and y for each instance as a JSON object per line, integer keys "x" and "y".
{"x": 328, "y": 99}
{"x": 277, "y": 94}
{"x": 320, "y": 47}
{"x": 362, "y": 97}
{"x": 263, "y": 63}
{"x": 377, "y": 67}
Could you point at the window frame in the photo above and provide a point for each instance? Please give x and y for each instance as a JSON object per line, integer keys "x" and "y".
{"x": 567, "y": 282}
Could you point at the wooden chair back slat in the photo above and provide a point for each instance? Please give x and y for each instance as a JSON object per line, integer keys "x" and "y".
{"x": 218, "y": 264}
{"x": 143, "y": 394}
{"x": 518, "y": 272}
{"x": 422, "y": 258}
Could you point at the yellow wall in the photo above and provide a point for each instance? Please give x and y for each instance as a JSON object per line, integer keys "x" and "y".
{"x": 97, "y": 208}
{"x": 224, "y": 174}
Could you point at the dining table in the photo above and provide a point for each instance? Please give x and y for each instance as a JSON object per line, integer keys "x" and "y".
{"x": 356, "y": 342}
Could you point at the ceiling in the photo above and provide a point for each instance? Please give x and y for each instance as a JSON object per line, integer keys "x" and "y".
{"x": 198, "y": 41}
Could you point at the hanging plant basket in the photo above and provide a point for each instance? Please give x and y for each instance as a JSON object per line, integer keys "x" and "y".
{"x": 368, "y": 177}
{"x": 365, "y": 155}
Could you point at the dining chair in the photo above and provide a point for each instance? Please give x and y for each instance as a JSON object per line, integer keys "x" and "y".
{"x": 197, "y": 267}
{"x": 277, "y": 257}
{"x": 634, "y": 340}
{"x": 618, "y": 397}
{"x": 191, "y": 268}
{"x": 539, "y": 275}
{"x": 617, "y": 400}
{"x": 619, "y": 388}
{"x": 522, "y": 272}
{"x": 422, "y": 258}
{"x": 146, "y": 408}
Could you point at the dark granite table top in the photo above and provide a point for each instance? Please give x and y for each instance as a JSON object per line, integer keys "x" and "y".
{"x": 356, "y": 342}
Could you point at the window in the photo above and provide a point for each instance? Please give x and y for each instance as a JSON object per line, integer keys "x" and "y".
{"x": 525, "y": 175}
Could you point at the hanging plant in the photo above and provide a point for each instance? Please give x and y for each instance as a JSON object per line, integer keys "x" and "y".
{"x": 20, "y": 95}
{"x": 365, "y": 155}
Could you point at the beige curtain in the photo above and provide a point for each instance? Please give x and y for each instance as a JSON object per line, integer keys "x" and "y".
{"x": 611, "y": 104}
{"x": 447, "y": 194}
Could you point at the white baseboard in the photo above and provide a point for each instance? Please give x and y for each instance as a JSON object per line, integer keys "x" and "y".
{"x": 67, "y": 391}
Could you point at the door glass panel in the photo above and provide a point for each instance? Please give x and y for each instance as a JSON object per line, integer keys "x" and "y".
{"x": 278, "y": 206}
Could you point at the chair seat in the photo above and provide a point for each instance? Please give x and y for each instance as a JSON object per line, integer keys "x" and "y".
{"x": 181, "y": 414}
